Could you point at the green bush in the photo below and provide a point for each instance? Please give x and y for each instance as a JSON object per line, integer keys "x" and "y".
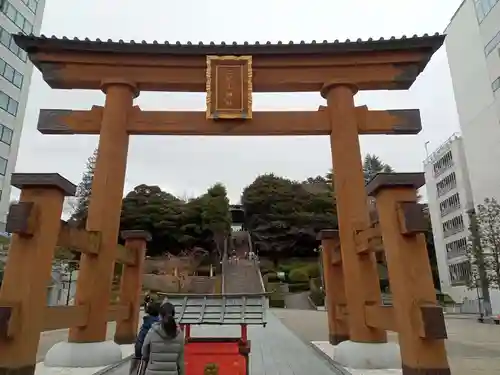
{"x": 310, "y": 268}
{"x": 313, "y": 270}
{"x": 298, "y": 275}
{"x": 289, "y": 267}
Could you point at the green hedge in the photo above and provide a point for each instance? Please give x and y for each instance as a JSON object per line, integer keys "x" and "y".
{"x": 298, "y": 275}
{"x": 292, "y": 271}
{"x": 289, "y": 267}
{"x": 312, "y": 270}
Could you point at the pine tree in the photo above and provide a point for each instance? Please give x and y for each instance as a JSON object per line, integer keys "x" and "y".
{"x": 373, "y": 165}
{"x": 83, "y": 191}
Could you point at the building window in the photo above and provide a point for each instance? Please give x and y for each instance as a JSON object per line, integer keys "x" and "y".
{"x": 3, "y": 166}
{"x": 450, "y": 204}
{"x": 453, "y": 226}
{"x": 444, "y": 163}
{"x": 459, "y": 273}
{"x": 8, "y": 41}
{"x": 492, "y": 44}
{"x": 496, "y": 84}
{"x": 31, "y": 5}
{"x": 11, "y": 74}
{"x": 16, "y": 17}
{"x": 456, "y": 248}
{"x": 6, "y": 134}
{"x": 8, "y": 104}
{"x": 483, "y": 8}
{"x": 446, "y": 184}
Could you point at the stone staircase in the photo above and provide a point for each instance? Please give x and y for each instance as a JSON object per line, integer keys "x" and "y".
{"x": 202, "y": 285}
{"x": 244, "y": 275}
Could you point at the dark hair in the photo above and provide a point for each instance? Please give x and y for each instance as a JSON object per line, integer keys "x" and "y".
{"x": 153, "y": 308}
{"x": 167, "y": 314}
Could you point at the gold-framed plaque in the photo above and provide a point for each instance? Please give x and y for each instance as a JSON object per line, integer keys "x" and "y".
{"x": 229, "y": 87}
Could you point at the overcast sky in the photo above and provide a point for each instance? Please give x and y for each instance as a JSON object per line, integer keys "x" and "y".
{"x": 187, "y": 166}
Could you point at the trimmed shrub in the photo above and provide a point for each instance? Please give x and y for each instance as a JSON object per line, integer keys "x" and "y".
{"x": 312, "y": 270}
{"x": 298, "y": 275}
{"x": 289, "y": 267}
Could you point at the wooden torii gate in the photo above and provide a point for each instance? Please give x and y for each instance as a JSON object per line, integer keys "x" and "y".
{"x": 230, "y": 73}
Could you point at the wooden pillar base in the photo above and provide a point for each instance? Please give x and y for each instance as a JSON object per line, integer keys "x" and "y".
{"x": 24, "y": 370}
{"x": 336, "y": 338}
{"x": 425, "y": 371}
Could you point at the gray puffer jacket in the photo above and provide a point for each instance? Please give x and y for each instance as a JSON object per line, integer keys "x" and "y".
{"x": 164, "y": 355}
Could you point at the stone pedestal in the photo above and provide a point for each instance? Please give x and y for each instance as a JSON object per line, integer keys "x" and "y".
{"x": 356, "y": 355}
{"x": 93, "y": 354}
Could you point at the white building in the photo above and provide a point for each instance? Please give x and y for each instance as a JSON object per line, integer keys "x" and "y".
{"x": 15, "y": 75}
{"x": 473, "y": 49}
{"x": 450, "y": 199}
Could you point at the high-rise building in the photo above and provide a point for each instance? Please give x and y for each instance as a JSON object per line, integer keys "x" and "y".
{"x": 449, "y": 195}
{"x": 16, "y": 16}
{"x": 473, "y": 48}
{"x": 450, "y": 201}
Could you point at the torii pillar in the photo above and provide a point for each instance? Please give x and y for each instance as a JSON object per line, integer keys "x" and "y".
{"x": 87, "y": 346}
{"x": 367, "y": 347}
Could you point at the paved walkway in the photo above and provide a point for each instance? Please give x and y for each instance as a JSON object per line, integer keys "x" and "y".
{"x": 298, "y": 301}
{"x": 275, "y": 350}
{"x": 473, "y": 348}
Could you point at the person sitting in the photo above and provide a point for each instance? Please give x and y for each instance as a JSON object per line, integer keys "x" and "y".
{"x": 152, "y": 316}
{"x": 163, "y": 347}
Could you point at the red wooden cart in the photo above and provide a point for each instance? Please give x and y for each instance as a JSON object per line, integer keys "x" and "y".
{"x": 229, "y": 355}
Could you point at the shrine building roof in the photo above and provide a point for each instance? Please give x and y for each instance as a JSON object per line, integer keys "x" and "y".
{"x": 32, "y": 43}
